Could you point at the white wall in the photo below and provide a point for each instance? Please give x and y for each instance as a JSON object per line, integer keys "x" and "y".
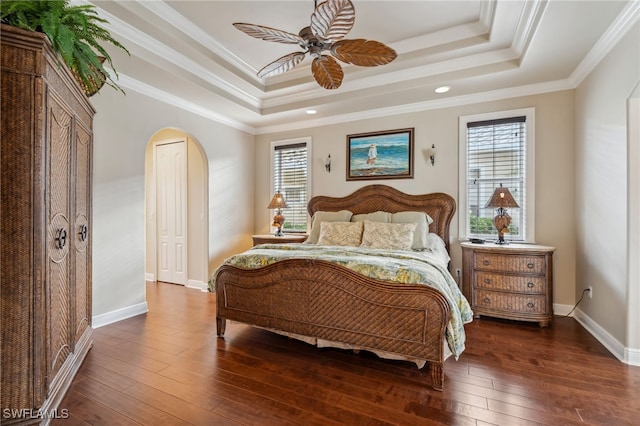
{"x": 602, "y": 186}
{"x": 554, "y": 170}
{"x": 122, "y": 128}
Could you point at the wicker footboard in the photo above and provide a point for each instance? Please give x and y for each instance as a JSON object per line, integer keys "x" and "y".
{"x": 319, "y": 299}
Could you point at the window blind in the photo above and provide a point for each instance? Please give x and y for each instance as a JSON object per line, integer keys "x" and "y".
{"x": 290, "y": 177}
{"x": 496, "y": 154}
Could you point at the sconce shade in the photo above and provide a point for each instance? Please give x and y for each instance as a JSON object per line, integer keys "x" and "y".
{"x": 278, "y": 202}
{"x": 502, "y": 198}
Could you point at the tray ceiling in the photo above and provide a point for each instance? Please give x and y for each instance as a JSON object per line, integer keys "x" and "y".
{"x": 188, "y": 53}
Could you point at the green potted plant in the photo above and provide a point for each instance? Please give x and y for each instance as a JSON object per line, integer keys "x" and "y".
{"x": 75, "y": 32}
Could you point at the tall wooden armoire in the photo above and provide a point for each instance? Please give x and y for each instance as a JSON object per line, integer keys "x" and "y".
{"x": 45, "y": 235}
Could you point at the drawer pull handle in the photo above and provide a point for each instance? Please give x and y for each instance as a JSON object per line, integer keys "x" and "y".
{"x": 486, "y": 300}
{"x": 530, "y": 265}
{"x": 486, "y": 263}
{"x": 487, "y": 280}
{"x": 530, "y": 284}
{"x": 531, "y": 304}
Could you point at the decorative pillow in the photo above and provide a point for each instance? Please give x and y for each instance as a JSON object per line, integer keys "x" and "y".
{"x": 392, "y": 236}
{"x": 422, "y": 222}
{"x": 378, "y": 216}
{"x": 319, "y": 217}
{"x": 340, "y": 234}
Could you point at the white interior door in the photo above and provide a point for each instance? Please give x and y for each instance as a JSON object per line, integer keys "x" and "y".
{"x": 171, "y": 212}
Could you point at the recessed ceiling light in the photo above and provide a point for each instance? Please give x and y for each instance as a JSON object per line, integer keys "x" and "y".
{"x": 442, "y": 89}
{"x": 311, "y": 111}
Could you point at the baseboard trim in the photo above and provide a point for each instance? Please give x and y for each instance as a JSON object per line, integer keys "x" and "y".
{"x": 562, "y": 310}
{"x": 148, "y": 276}
{"x": 119, "y": 315}
{"x": 632, "y": 356}
{"x": 198, "y": 285}
{"x": 627, "y": 355}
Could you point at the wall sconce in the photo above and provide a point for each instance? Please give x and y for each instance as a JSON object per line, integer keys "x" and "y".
{"x": 327, "y": 163}
{"x": 430, "y": 154}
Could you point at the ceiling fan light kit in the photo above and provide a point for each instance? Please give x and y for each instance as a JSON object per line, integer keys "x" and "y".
{"x": 331, "y": 21}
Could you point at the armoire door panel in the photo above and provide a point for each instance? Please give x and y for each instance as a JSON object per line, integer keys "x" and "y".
{"x": 82, "y": 232}
{"x": 58, "y": 200}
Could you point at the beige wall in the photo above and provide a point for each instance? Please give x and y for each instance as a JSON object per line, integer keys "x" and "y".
{"x": 554, "y": 174}
{"x": 602, "y": 203}
{"x": 122, "y": 128}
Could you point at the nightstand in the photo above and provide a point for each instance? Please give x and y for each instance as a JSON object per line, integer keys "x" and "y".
{"x": 272, "y": 239}
{"x": 513, "y": 281}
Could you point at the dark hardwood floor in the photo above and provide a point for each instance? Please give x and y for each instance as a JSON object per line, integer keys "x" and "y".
{"x": 168, "y": 368}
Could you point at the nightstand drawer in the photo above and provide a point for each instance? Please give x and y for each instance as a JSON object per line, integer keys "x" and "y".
{"x": 519, "y": 303}
{"x": 515, "y": 283}
{"x": 510, "y": 263}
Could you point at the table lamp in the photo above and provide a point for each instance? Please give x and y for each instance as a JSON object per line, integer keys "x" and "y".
{"x": 278, "y": 202}
{"x": 501, "y": 200}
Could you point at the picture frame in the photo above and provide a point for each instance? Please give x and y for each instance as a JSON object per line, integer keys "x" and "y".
{"x": 387, "y": 154}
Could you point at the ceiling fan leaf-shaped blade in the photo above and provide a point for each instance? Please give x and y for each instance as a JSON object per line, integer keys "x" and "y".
{"x": 281, "y": 65}
{"x": 362, "y": 52}
{"x": 269, "y": 34}
{"x": 333, "y": 19}
{"x": 327, "y": 72}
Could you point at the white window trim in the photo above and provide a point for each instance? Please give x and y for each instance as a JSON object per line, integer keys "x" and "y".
{"x": 274, "y": 144}
{"x": 463, "y": 232}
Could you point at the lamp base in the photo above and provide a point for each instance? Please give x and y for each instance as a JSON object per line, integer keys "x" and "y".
{"x": 501, "y": 222}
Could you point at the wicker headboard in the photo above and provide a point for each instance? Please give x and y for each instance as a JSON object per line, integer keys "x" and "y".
{"x": 372, "y": 198}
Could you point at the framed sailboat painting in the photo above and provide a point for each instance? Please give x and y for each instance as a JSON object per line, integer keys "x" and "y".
{"x": 386, "y": 154}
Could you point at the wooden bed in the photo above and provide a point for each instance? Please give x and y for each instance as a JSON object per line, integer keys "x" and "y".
{"x": 323, "y": 300}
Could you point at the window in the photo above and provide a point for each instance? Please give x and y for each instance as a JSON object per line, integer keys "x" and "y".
{"x": 291, "y": 176}
{"x": 497, "y": 149}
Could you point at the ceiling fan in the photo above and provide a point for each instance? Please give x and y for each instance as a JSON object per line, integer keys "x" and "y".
{"x": 331, "y": 20}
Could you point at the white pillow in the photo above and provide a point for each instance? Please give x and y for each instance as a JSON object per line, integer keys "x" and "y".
{"x": 437, "y": 246}
{"x": 319, "y": 217}
{"x": 392, "y": 236}
{"x": 378, "y": 216}
{"x": 421, "y": 220}
{"x": 340, "y": 234}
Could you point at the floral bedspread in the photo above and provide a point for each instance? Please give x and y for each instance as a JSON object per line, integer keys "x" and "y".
{"x": 405, "y": 267}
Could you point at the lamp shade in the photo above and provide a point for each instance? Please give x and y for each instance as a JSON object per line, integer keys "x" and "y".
{"x": 502, "y": 198}
{"x": 278, "y": 202}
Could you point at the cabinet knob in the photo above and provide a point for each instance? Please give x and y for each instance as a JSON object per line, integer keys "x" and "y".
{"x": 487, "y": 300}
{"x": 531, "y": 305}
{"x": 486, "y": 263}
{"x": 61, "y": 238}
{"x": 530, "y": 284}
{"x": 83, "y": 232}
{"x": 530, "y": 265}
{"x": 487, "y": 280}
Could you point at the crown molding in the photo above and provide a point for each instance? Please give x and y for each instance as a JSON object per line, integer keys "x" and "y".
{"x": 629, "y": 16}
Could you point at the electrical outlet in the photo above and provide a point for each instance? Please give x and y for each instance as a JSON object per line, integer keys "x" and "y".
{"x": 590, "y": 292}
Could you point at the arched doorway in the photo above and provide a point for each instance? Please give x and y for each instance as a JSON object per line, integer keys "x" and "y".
{"x": 191, "y": 208}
